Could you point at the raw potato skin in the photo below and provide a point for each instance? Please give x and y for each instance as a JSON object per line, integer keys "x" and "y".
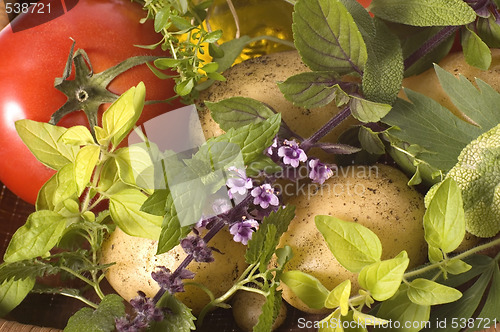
{"x": 427, "y": 83}
{"x": 135, "y": 260}
{"x": 257, "y": 78}
{"x": 377, "y": 197}
{"x": 247, "y": 307}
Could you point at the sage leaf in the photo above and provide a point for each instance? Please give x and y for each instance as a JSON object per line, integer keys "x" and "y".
{"x": 444, "y": 219}
{"x": 313, "y": 89}
{"x": 308, "y": 288}
{"x": 368, "y": 111}
{"x": 382, "y": 279}
{"x": 424, "y": 12}
{"x": 476, "y": 52}
{"x": 427, "y": 292}
{"x": 41, "y": 232}
{"x": 101, "y": 319}
{"x": 352, "y": 244}
{"x": 77, "y": 135}
{"x": 327, "y": 38}
{"x": 339, "y": 297}
{"x": 85, "y": 163}
{"x": 13, "y": 292}
{"x": 125, "y": 209}
{"x": 42, "y": 139}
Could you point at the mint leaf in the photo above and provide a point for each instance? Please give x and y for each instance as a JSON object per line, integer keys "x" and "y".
{"x": 236, "y": 112}
{"x": 384, "y": 68}
{"x": 427, "y": 292}
{"x": 178, "y": 319}
{"x": 382, "y": 279}
{"x": 368, "y": 111}
{"x": 352, "y": 244}
{"x": 13, "y": 292}
{"x": 156, "y": 203}
{"x": 313, "y": 89}
{"x": 270, "y": 311}
{"x": 308, "y": 288}
{"x": 424, "y": 12}
{"x": 171, "y": 230}
{"x": 41, "y": 232}
{"x": 327, "y": 37}
{"x": 100, "y": 320}
{"x": 444, "y": 219}
{"x": 476, "y": 52}
{"x": 43, "y": 141}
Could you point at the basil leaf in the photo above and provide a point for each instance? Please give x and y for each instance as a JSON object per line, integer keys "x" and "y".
{"x": 43, "y": 141}
{"x": 41, "y": 232}
{"x": 424, "y": 12}
{"x": 352, "y": 244}
{"x": 13, "y": 292}
{"x": 85, "y": 163}
{"x": 77, "y": 135}
{"x": 306, "y": 287}
{"x": 101, "y": 319}
{"x": 383, "y": 278}
{"x": 476, "y": 52}
{"x": 66, "y": 185}
{"x": 427, "y": 292}
{"x": 135, "y": 167}
{"x": 339, "y": 297}
{"x": 368, "y": 111}
{"x": 327, "y": 37}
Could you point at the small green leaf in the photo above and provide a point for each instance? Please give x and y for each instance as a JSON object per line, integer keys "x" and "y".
{"x": 427, "y": 292}
{"x": 371, "y": 141}
{"x": 489, "y": 31}
{"x": 13, "y": 292}
{"x": 77, "y": 135}
{"x": 236, "y": 112}
{"x": 424, "y": 12}
{"x": 156, "y": 203}
{"x": 435, "y": 254}
{"x": 66, "y": 185}
{"x": 100, "y": 320}
{"x": 85, "y": 163}
{"x": 352, "y": 244}
{"x": 306, "y": 287}
{"x": 476, "y": 52}
{"x": 369, "y": 320}
{"x": 171, "y": 230}
{"x": 181, "y": 23}
{"x": 125, "y": 209}
{"x": 382, "y": 279}
{"x": 45, "y": 198}
{"x": 283, "y": 256}
{"x": 327, "y": 37}
{"x": 135, "y": 167}
{"x": 339, "y": 297}
{"x": 270, "y": 311}
{"x": 184, "y": 87}
{"x": 43, "y": 141}
{"x": 213, "y": 36}
{"x": 368, "y": 111}
{"x": 313, "y": 89}
{"x": 444, "y": 219}
{"x": 162, "y": 19}
{"x": 41, "y": 232}
{"x": 457, "y": 266}
{"x": 166, "y": 63}
{"x": 178, "y": 319}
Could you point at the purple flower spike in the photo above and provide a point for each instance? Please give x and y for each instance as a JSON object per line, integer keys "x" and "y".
{"x": 291, "y": 153}
{"x": 319, "y": 171}
{"x": 270, "y": 150}
{"x": 242, "y": 230}
{"x": 238, "y": 184}
{"x": 171, "y": 282}
{"x": 264, "y": 196}
{"x": 146, "y": 312}
{"x": 196, "y": 246}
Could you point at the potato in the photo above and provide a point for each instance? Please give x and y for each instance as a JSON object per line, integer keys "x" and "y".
{"x": 135, "y": 260}
{"x": 427, "y": 83}
{"x": 377, "y": 197}
{"x": 247, "y": 307}
{"x": 257, "y": 78}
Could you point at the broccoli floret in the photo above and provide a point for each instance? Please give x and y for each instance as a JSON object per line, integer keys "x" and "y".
{"x": 477, "y": 173}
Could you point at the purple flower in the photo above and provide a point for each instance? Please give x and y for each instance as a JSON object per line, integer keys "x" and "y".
{"x": 172, "y": 282}
{"x": 242, "y": 230}
{"x": 146, "y": 312}
{"x": 196, "y": 246}
{"x": 238, "y": 184}
{"x": 274, "y": 145}
{"x": 319, "y": 171}
{"x": 291, "y": 153}
{"x": 264, "y": 196}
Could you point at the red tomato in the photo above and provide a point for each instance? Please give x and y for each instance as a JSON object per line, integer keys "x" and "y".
{"x": 31, "y": 59}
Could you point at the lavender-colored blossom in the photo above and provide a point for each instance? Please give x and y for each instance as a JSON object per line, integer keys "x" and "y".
{"x": 292, "y": 154}
{"x": 196, "y": 246}
{"x": 239, "y": 184}
{"x": 264, "y": 196}
{"x": 242, "y": 230}
{"x": 171, "y": 282}
{"x": 274, "y": 145}
{"x": 319, "y": 172}
{"x": 146, "y": 312}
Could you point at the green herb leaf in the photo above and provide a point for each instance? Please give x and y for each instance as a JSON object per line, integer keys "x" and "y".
{"x": 327, "y": 37}
{"x": 383, "y": 278}
{"x": 424, "y": 12}
{"x": 40, "y": 233}
{"x": 456, "y": 266}
{"x": 489, "y": 31}
{"x": 444, "y": 219}
{"x": 100, "y": 320}
{"x": 236, "y": 112}
{"x": 156, "y": 203}
{"x": 13, "y": 292}
{"x": 86, "y": 161}
{"x": 171, "y": 230}
{"x": 313, "y": 89}
{"x": 368, "y": 111}
{"x": 427, "y": 292}
{"x": 135, "y": 167}
{"x": 371, "y": 141}
{"x": 125, "y": 209}
{"x": 366, "y": 319}
{"x": 270, "y": 311}
{"x": 489, "y": 313}
{"x": 179, "y": 318}
{"x": 66, "y": 185}
{"x": 339, "y": 297}
{"x": 308, "y": 288}
{"x": 352, "y": 244}
{"x": 43, "y": 141}
{"x": 476, "y": 52}
{"x": 77, "y": 135}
